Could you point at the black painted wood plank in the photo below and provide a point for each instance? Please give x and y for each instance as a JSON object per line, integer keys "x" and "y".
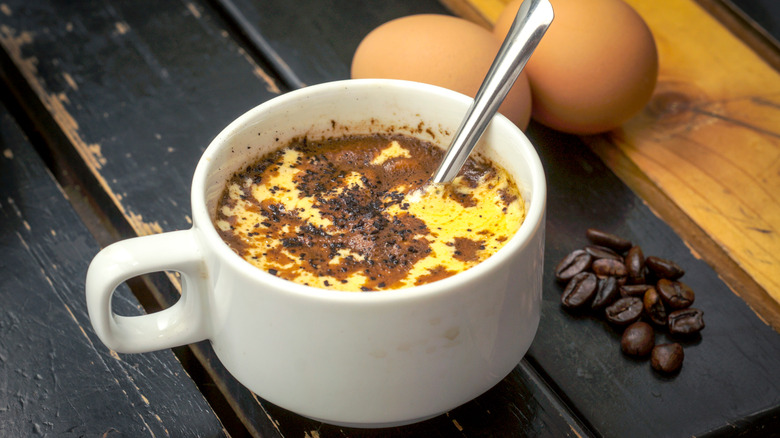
{"x": 118, "y": 120}
{"x": 129, "y": 94}
{"x": 316, "y": 39}
{"x": 138, "y": 90}
{"x": 55, "y": 379}
{"x": 730, "y": 380}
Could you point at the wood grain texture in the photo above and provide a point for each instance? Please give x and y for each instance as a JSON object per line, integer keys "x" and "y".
{"x": 55, "y": 379}
{"x": 701, "y": 244}
{"x": 147, "y": 100}
{"x": 709, "y": 141}
{"x": 727, "y": 374}
{"x": 717, "y": 131}
{"x": 710, "y": 137}
{"x": 146, "y": 60}
{"x": 161, "y": 80}
{"x": 729, "y": 381}
{"x": 316, "y": 40}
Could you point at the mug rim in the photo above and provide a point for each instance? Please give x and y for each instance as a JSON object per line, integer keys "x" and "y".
{"x": 534, "y": 218}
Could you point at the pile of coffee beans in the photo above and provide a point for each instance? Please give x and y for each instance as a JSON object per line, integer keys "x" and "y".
{"x": 612, "y": 278}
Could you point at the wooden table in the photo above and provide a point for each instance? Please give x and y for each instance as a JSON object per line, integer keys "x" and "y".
{"x": 106, "y": 109}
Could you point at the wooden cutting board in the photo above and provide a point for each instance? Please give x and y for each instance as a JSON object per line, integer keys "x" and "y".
{"x": 705, "y": 152}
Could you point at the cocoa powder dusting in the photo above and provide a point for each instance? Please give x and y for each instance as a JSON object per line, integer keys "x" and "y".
{"x": 437, "y": 273}
{"x": 360, "y": 237}
{"x": 467, "y": 249}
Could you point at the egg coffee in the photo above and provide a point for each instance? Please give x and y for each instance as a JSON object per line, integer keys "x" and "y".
{"x": 356, "y": 213}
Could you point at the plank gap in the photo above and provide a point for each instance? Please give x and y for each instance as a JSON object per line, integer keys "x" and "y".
{"x": 744, "y": 28}
{"x": 261, "y": 51}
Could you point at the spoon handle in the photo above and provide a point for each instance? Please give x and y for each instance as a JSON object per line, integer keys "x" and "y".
{"x": 530, "y": 24}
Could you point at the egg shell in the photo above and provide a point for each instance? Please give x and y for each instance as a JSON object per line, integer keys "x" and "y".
{"x": 440, "y": 50}
{"x": 594, "y": 69}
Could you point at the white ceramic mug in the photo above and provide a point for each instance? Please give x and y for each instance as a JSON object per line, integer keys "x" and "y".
{"x": 357, "y": 359}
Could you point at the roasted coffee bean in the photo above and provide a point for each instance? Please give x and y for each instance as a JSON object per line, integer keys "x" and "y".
{"x": 608, "y": 268}
{"x": 654, "y": 307}
{"x": 580, "y": 290}
{"x": 634, "y": 290}
{"x": 676, "y": 294}
{"x": 609, "y": 240}
{"x": 606, "y": 293}
{"x": 667, "y": 358}
{"x": 602, "y": 252}
{"x": 638, "y": 339}
{"x": 635, "y": 265}
{"x": 624, "y": 311}
{"x": 611, "y": 275}
{"x": 686, "y": 321}
{"x": 577, "y": 261}
{"x": 663, "y": 268}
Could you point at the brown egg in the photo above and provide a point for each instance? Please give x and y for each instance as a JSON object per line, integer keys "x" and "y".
{"x": 595, "y": 68}
{"x": 440, "y": 50}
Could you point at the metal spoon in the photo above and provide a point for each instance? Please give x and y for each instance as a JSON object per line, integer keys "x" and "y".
{"x": 530, "y": 24}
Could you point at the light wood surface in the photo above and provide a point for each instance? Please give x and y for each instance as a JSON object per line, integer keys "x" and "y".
{"x": 483, "y": 12}
{"x": 708, "y": 143}
{"x": 710, "y": 137}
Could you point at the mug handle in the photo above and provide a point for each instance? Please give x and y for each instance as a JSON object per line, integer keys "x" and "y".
{"x": 183, "y": 323}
